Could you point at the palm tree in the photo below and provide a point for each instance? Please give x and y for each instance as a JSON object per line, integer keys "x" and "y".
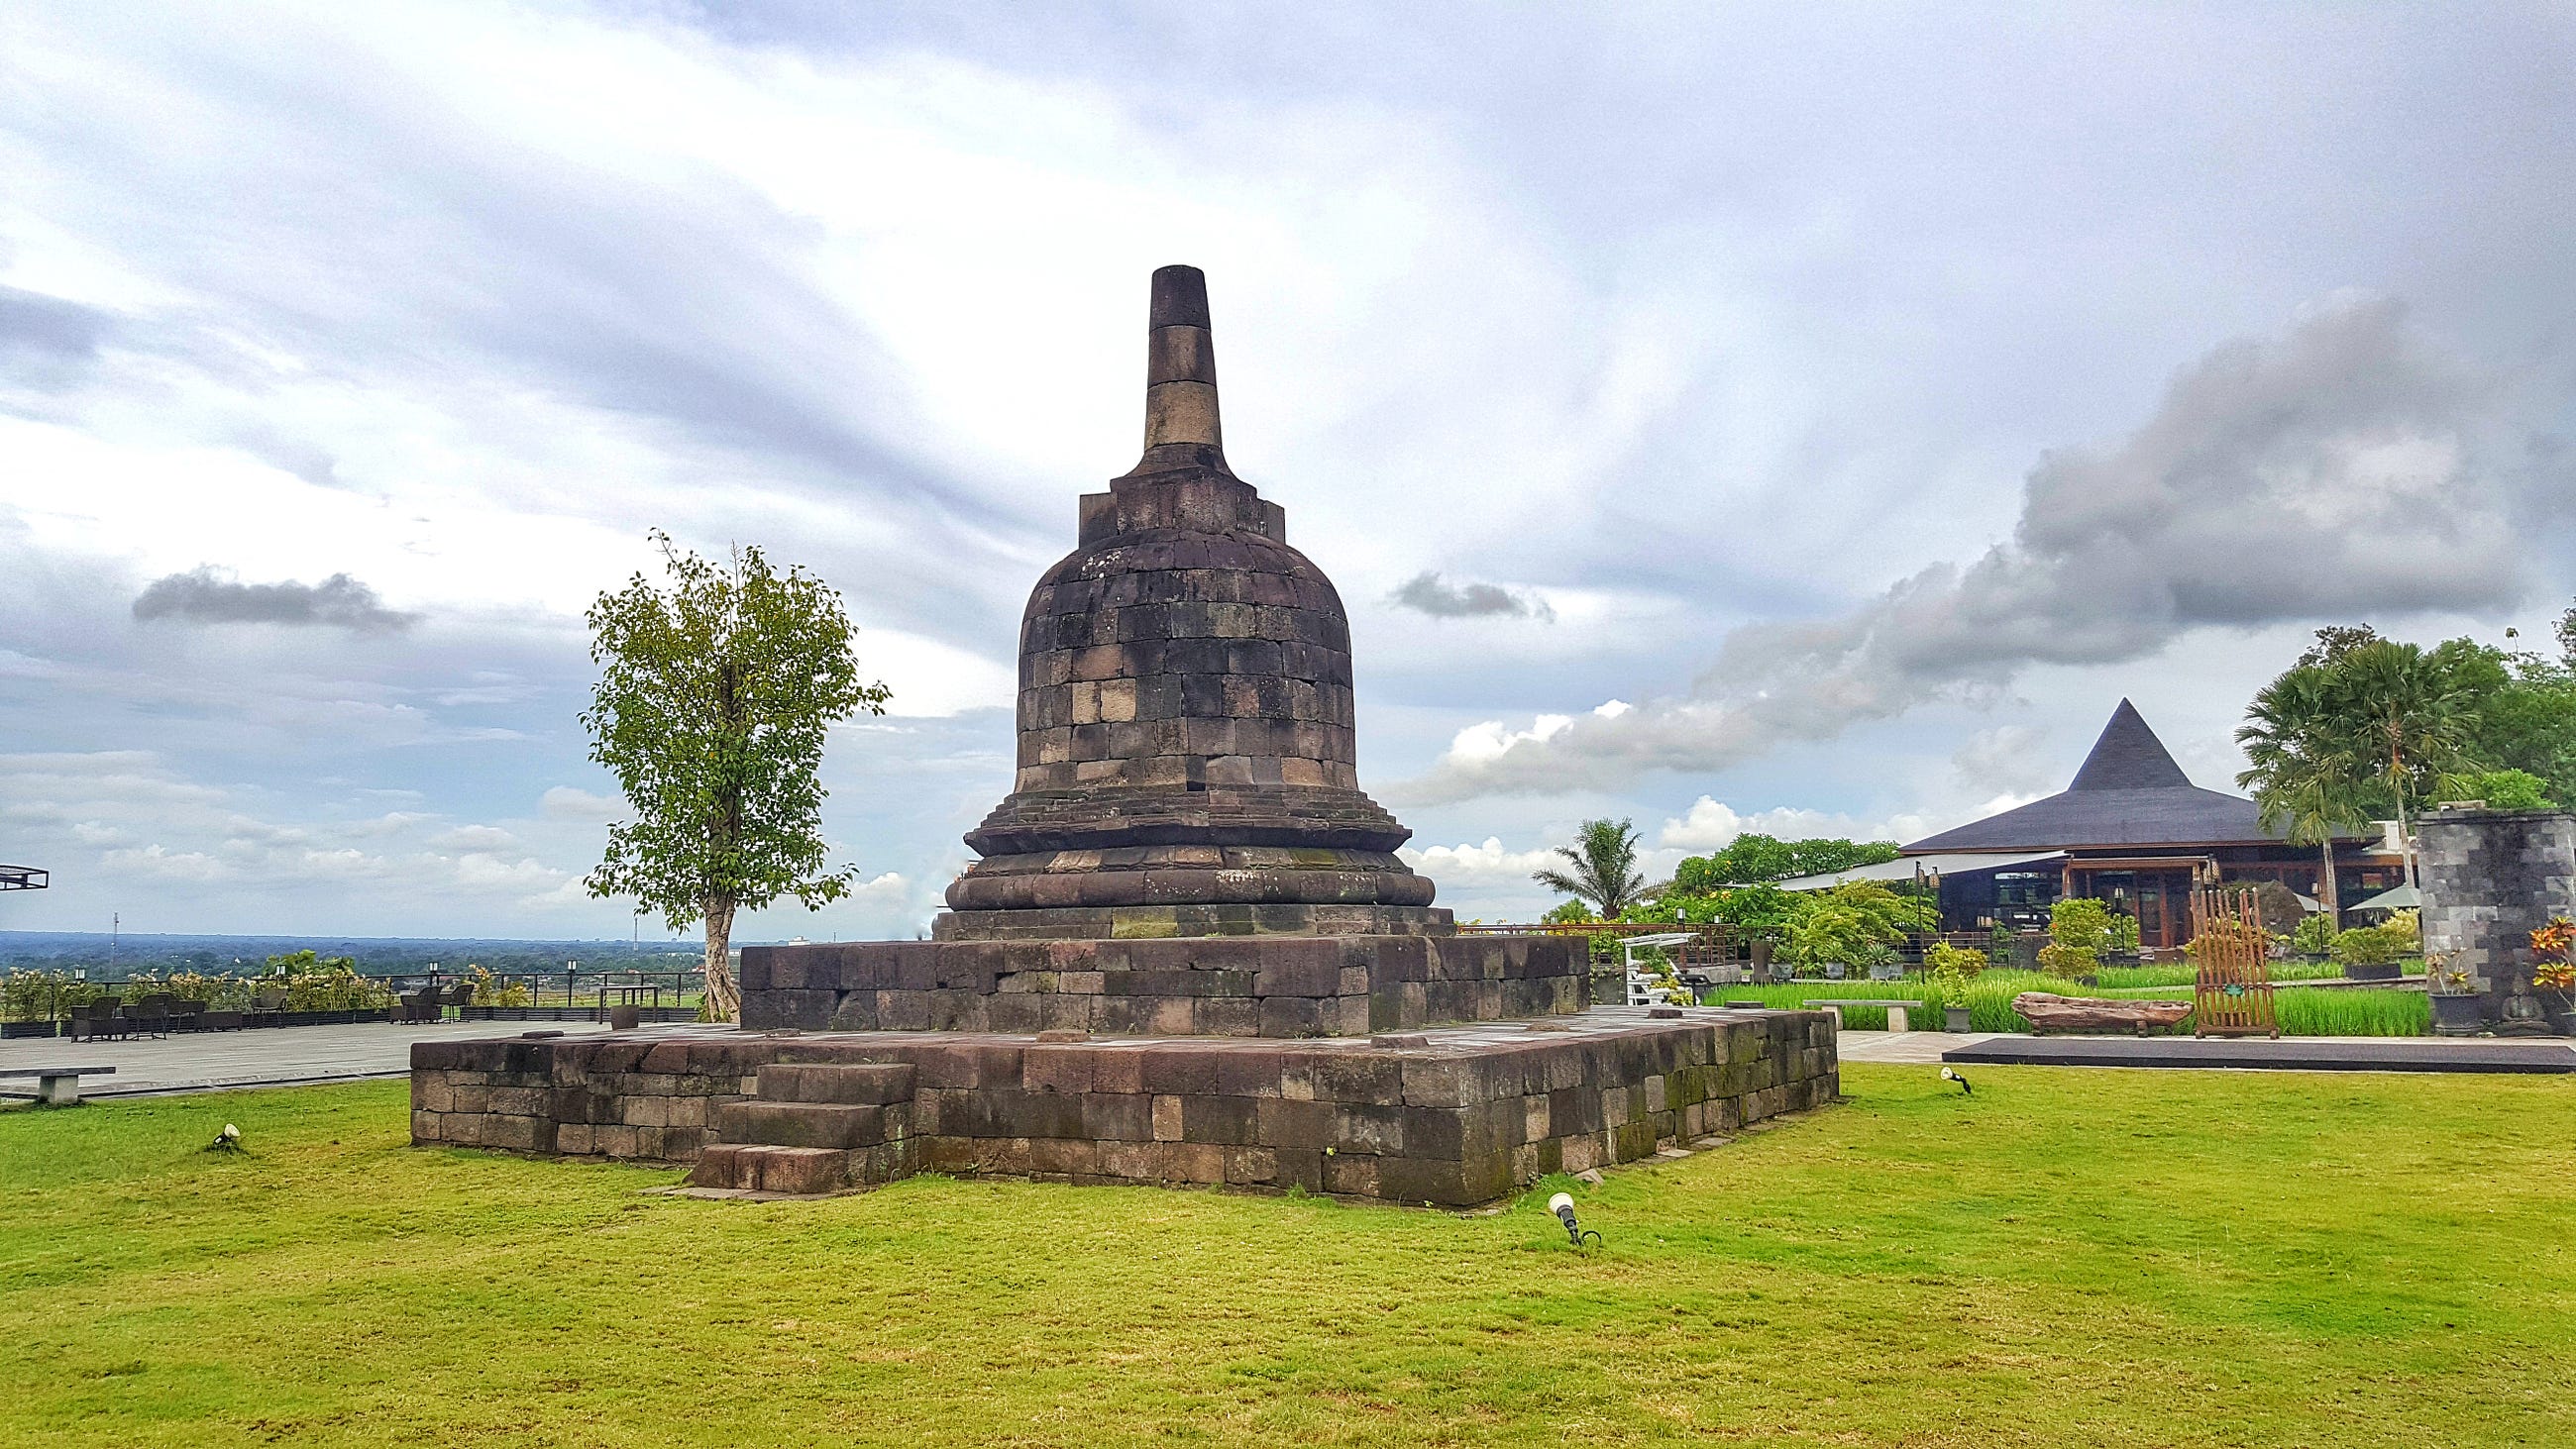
{"x": 2305, "y": 768}
{"x": 2413, "y": 717}
{"x": 1604, "y": 857}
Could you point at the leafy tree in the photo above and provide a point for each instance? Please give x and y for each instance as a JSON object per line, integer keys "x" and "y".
{"x": 2522, "y": 710}
{"x": 2508, "y": 790}
{"x": 2334, "y": 642}
{"x": 2414, "y": 714}
{"x": 2305, "y": 765}
{"x": 2363, "y": 723}
{"x": 1845, "y": 922}
{"x": 1754, "y": 857}
{"x": 713, "y": 702}
{"x": 1604, "y": 862}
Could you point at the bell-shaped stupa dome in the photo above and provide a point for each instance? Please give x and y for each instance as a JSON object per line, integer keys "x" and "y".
{"x": 1186, "y": 755}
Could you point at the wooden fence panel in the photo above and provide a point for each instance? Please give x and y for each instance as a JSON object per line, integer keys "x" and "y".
{"x": 2233, "y": 996}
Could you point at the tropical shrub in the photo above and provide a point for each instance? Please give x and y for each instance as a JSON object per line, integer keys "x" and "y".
{"x": 2079, "y": 929}
{"x": 2124, "y": 933}
{"x": 2315, "y": 935}
{"x": 2407, "y": 929}
{"x": 1842, "y": 923}
{"x": 42, "y": 995}
{"x": 2366, "y": 946}
{"x": 1952, "y": 968}
{"x": 491, "y": 990}
{"x": 2553, "y": 957}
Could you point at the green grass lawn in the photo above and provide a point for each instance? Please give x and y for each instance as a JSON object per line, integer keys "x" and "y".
{"x": 2065, "y": 1258}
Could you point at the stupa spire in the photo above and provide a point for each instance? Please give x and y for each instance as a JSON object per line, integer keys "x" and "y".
{"x": 1180, "y": 367}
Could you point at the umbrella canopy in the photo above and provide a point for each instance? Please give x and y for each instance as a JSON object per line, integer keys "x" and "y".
{"x": 2404, "y": 898}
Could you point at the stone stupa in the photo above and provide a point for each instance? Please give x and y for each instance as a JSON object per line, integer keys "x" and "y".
{"x": 1186, "y": 849}
{"x": 1187, "y": 764}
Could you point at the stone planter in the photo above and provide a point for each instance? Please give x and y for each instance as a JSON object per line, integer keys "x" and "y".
{"x": 2563, "y": 1021}
{"x": 2459, "y": 1015}
{"x": 1957, "y": 1019}
{"x": 10, "y": 1029}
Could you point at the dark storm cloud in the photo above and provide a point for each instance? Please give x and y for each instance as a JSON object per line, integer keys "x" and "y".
{"x": 1428, "y": 593}
{"x": 2343, "y": 470}
{"x": 207, "y": 596}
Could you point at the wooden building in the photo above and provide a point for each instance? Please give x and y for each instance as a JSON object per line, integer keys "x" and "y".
{"x": 2131, "y": 830}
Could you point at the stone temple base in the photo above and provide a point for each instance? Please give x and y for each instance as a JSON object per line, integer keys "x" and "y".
{"x": 1453, "y": 1115}
{"x": 1230, "y": 986}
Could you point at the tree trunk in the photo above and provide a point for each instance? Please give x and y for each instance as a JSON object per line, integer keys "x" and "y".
{"x": 2327, "y": 895}
{"x": 724, "y": 1002}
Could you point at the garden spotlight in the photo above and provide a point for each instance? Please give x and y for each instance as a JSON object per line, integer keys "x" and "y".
{"x": 1948, "y": 1075}
{"x": 1563, "y": 1206}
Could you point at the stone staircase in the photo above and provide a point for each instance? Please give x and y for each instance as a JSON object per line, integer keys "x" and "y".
{"x": 811, "y": 1129}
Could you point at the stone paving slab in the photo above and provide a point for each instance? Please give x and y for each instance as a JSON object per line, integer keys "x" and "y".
{"x": 1905, "y": 1047}
{"x": 2295, "y": 1054}
{"x": 265, "y": 1057}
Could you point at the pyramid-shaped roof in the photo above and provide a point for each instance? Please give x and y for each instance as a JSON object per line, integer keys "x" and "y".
{"x": 2128, "y": 792}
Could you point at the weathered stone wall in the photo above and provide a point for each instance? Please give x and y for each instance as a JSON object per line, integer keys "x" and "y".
{"x": 1268, "y": 986}
{"x": 2490, "y": 878}
{"x": 1454, "y": 1116}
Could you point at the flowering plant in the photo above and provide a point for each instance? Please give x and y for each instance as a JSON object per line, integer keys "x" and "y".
{"x": 2553, "y": 956}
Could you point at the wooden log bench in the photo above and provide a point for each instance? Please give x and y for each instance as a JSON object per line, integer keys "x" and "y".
{"x": 1897, "y": 1020}
{"x": 57, "y": 1086}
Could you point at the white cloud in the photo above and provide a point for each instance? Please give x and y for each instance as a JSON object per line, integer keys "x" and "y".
{"x": 2347, "y": 468}
{"x": 567, "y": 802}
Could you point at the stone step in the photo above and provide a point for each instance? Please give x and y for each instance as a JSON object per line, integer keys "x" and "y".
{"x": 855, "y": 1086}
{"x": 757, "y": 1167}
{"x": 835, "y": 1125}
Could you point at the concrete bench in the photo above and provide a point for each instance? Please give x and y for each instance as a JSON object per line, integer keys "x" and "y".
{"x": 1896, "y": 1010}
{"x": 57, "y": 1086}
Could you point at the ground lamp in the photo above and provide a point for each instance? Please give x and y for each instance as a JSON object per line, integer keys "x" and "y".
{"x": 1563, "y": 1206}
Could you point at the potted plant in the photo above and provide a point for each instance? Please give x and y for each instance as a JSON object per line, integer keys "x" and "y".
{"x": 1951, "y": 969}
{"x": 2553, "y": 973}
{"x": 2458, "y": 1008}
{"x": 2368, "y": 953}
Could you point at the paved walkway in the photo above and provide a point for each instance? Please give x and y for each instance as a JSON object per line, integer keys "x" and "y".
{"x": 200, "y": 1061}
{"x": 1902, "y": 1046}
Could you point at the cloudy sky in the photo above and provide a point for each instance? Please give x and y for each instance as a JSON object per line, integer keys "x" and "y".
{"x": 1782, "y": 417}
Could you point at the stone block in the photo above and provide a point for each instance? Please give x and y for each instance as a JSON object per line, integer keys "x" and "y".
{"x": 1350, "y": 1174}
{"x": 804, "y": 1171}
{"x": 1192, "y": 1162}
{"x": 1229, "y": 1121}
{"x": 802, "y": 1124}
{"x": 1051, "y": 1067}
{"x": 1358, "y": 1076}
{"x": 1182, "y": 1072}
{"x": 1167, "y": 1117}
